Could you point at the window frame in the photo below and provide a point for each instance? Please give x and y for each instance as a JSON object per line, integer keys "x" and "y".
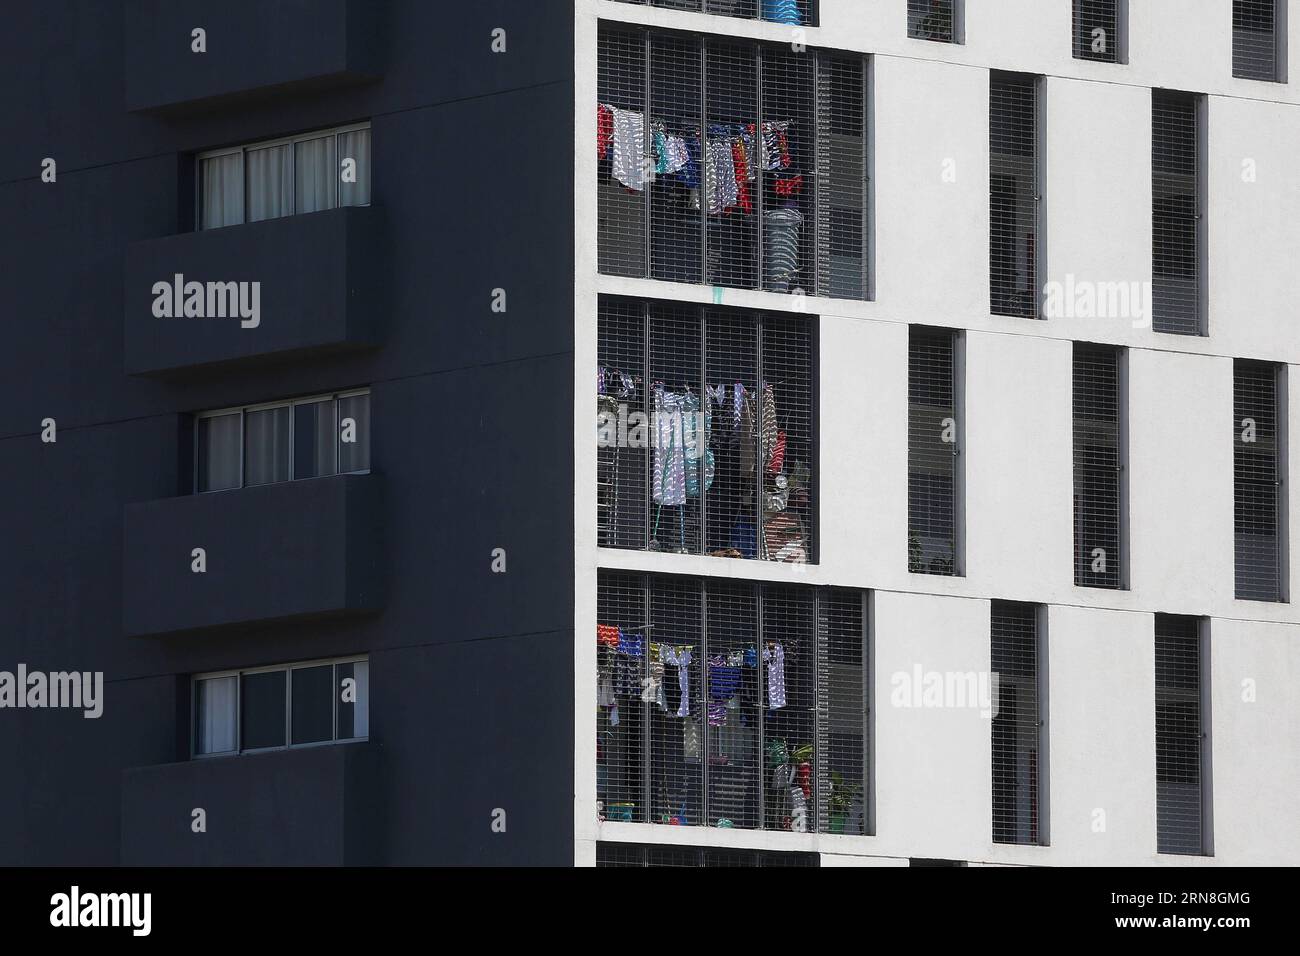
{"x": 1281, "y": 16}
{"x": 291, "y": 404}
{"x": 243, "y": 149}
{"x": 957, "y": 14}
{"x": 287, "y": 669}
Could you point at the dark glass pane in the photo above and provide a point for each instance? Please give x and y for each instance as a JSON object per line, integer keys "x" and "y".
{"x": 261, "y": 709}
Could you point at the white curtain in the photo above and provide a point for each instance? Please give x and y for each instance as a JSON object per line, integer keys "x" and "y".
{"x": 215, "y": 710}
{"x": 268, "y": 182}
{"x": 314, "y": 176}
{"x": 266, "y": 446}
{"x": 356, "y": 146}
{"x": 223, "y": 191}
{"x": 219, "y": 452}
{"x": 361, "y": 712}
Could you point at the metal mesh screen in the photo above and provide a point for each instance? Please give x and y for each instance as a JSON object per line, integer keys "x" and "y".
{"x": 621, "y": 151}
{"x": 1255, "y": 39}
{"x": 1257, "y": 481}
{"x": 841, "y": 212}
{"x": 714, "y": 710}
{"x": 932, "y": 20}
{"x": 1096, "y": 30}
{"x": 1178, "y": 735}
{"x": 643, "y": 855}
{"x": 791, "y": 12}
{"x": 1175, "y": 214}
{"x": 715, "y": 455}
{"x": 731, "y": 163}
{"x": 1014, "y": 193}
{"x": 1098, "y": 467}
{"x": 931, "y": 452}
{"x": 1017, "y": 724}
{"x": 842, "y": 683}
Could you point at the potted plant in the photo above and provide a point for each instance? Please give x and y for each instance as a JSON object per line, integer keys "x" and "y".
{"x": 839, "y": 802}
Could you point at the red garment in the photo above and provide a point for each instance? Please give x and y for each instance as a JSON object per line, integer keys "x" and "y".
{"x": 778, "y": 455}
{"x": 805, "y": 779}
{"x": 742, "y": 175}
{"x": 604, "y": 130}
{"x": 789, "y": 187}
{"x": 607, "y": 634}
{"x": 784, "y": 140}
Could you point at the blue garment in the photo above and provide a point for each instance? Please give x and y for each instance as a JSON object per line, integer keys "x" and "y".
{"x": 782, "y": 11}
{"x": 691, "y": 171}
{"x": 630, "y": 644}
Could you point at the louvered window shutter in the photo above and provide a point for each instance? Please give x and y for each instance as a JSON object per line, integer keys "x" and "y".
{"x": 932, "y": 449}
{"x": 1098, "y": 467}
{"x": 1255, "y": 40}
{"x": 1017, "y": 725}
{"x": 1179, "y": 741}
{"x": 1014, "y": 193}
{"x": 932, "y": 20}
{"x": 1257, "y": 481}
{"x": 1175, "y": 213}
{"x": 1096, "y": 30}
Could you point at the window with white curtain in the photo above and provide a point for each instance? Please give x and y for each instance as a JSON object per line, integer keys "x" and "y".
{"x": 288, "y": 705}
{"x": 299, "y": 174}
{"x": 282, "y": 441}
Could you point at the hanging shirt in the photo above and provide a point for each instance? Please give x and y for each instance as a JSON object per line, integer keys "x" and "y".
{"x": 668, "y": 484}
{"x": 629, "y": 148}
{"x": 774, "y": 656}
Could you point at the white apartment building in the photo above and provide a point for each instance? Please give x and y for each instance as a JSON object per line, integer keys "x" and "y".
{"x": 961, "y": 530}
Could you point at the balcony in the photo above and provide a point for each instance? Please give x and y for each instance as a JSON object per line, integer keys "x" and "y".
{"x": 249, "y": 47}
{"x": 289, "y": 550}
{"x": 279, "y": 288}
{"x": 308, "y": 807}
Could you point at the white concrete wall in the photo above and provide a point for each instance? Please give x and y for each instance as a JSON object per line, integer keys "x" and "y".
{"x": 929, "y": 106}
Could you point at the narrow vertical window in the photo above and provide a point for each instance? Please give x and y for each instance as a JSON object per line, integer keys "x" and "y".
{"x": 932, "y": 20}
{"x": 842, "y": 265}
{"x": 1098, "y": 467}
{"x": 1257, "y": 44}
{"x": 621, "y": 150}
{"x": 1017, "y": 723}
{"x": 842, "y": 711}
{"x": 216, "y": 715}
{"x": 1175, "y": 213}
{"x": 1096, "y": 28}
{"x": 1014, "y": 195}
{"x": 1257, "y": 481}
{"x": 933, "y": 439}
{"x": 1180, "y": 739}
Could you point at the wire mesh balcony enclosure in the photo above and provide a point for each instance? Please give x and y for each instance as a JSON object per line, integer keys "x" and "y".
{"x": 729, "y": 703}
{"x": 932, "y": 20}
{"x": 1098, "y": 467}
{"x": 1179, "y": 739}
{"x": 705, "y": 431}
{"x": 932, "y": 450}
{"x": 1256, "y": 40}
{"x": 1014, "y": 194}
{"x": 1175, "y": 213}
{"x": 728, "y": 163}
{"x": 642, "y": 855}
{"x": 1017, "y": 726}
{"x": 1095, "y": 30}
{"x": 793, "y": 13}
{"x": 1257, "y": 482}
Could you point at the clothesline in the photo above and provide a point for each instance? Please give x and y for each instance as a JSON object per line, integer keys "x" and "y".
{"x": 729, "y": 156}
